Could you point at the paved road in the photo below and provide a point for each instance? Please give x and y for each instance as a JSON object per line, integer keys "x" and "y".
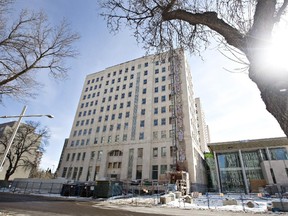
{"x": 20, "y": 204}
{"x": 31, "y": 205}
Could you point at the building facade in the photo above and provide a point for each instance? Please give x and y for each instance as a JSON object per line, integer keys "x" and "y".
{"x": 249, "y": 165}
{"x": 29, "y": 151}
{"x": 136, "y": 120}
{"x": 203, "y": 130}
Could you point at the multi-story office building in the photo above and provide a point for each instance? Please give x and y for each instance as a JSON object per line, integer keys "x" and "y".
{"x": 136, "y": 120}
{"x": 203, "y": 130}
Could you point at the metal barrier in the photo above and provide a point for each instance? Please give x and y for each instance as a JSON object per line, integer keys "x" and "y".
{"x": 35, "y": 187}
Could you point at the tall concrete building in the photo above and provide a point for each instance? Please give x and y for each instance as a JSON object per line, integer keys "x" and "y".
{"x": 136, "y": 120}
{"x": 203, "y": 130}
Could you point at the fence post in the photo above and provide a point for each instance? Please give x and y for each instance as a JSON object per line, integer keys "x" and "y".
{"x": 242, "y": 201}
{"x": 51, "y": 188}
{"x": 39, "y": 189}
{"x": 208, "y": 201}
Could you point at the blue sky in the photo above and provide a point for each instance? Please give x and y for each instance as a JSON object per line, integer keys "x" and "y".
{"x": 231, "y": 102}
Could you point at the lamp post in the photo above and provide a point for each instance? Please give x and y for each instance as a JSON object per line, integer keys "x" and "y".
{"x": 15, "y": 129}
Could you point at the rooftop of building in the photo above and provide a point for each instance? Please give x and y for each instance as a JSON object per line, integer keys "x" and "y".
{"x": 248, "y": 144}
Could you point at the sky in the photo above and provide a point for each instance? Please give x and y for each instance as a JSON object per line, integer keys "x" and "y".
{"x": 231, "y": 101}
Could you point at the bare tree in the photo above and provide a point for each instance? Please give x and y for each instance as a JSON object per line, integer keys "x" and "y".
{"x": 245, "y": 26}
{"x": 27, "y": 147}
{"x": 29, "y": 46}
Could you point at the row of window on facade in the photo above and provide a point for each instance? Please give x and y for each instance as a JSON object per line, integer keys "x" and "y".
{"x": 144, "y": 91}
{"x": 75, "y": 173}
{"x": 88, "y": 96}
{"x": 116, "y": 153}
{"x": 83, "y": 132}
{"x": 156, "y": 135}
{"x": 121, "y": 106}
{"x": 125, "y": 78}
{"x": 114, "y": 73}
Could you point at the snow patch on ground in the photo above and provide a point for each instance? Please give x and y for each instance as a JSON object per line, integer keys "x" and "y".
{"x": 213, "y": 202}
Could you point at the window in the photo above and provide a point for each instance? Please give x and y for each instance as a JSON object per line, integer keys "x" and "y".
{"x": 142, "y": 111}
{"x": 98, "y": 129}
{"x": 163, "y": 134}
{"x": 155, "y": 172}
{"x": 141, "y": 135}
{"x": 145, "y": 81}
{"x": 156, "y": 71}
{"x": 106, "y": 117}
{"x": 127, "y": 114}
{"x": 155, "y": 122}
{"x": 156, "y": 110}
{"x": 163, "y": 121}
{"x": 144, "y": 91}
{"x": 124, "y": 137}
{"x": 112, "y": 116}
{"x": 163, "y": 169}
{"x": 68, "y": 157}
{"x": 155, "y": 99}
{"x": 163, "y": 78}
{"x": 121, "y": 105}
{"x": 155, "y": 152}
{"x": 146, "y": 64}
{"x": 120, "y": 116}
{"x": 109, "y": 139}
{"x": 111, "y": 127}
{"x": 102, "y": 139}
{"x": 125, "y": 125}
{"x": 163, "y": 151}
{"x": 128, "y": 103}
{"x": 163, "y": 69}
{"x": 163, "y": 98}
{"x": 156, "y": 80}
{"x": 99, "y": 118}
{"x": 163, "y": 88}
{"x": 156, "y": 89}
{"x": 114, "y": 106}
{"x": 140, "y": 152}
{"x": 78, "y": 156}
{"x": 73, "y": 156}
{"x": 95, "y": 140}
{"x": 99, "y": 155}
{"x": 129, "y": 94}
{"x": 163, "y": 109}
{"x": 104, "y": 128}
{"x": 142, "y": 123}
{"x": 83, "y": 156}
{"x": 143, "y": 100}
{"x": 124, "y": 86}
{"x": 108, "y": 108}
{"x": 118, "y": 126}
{"x": 130, "y": 85}
{"x": 155, "y": 134}
{"x": 145, "y": 73}
{"x": 117, "y": 137}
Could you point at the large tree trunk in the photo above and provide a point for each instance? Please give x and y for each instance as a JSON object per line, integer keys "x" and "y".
{"x": 273, "y": 86}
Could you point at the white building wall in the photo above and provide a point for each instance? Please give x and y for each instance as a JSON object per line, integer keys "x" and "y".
{"x": 146, "y": 89}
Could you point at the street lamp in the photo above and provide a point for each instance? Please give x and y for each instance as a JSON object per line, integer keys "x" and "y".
{"x": 15, "y": 127}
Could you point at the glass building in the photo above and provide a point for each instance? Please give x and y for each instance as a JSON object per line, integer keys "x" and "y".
{"x": 246, "y": 166}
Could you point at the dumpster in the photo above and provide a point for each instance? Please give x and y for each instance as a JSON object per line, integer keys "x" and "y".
{"x": 70, "y": 190}
{"x": 107, "y": 188}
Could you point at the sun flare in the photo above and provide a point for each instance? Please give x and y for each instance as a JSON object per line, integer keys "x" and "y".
{"x": 277, "y": 52}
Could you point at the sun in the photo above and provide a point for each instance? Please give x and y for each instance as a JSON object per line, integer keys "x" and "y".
{"x": 277, "y": 53}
